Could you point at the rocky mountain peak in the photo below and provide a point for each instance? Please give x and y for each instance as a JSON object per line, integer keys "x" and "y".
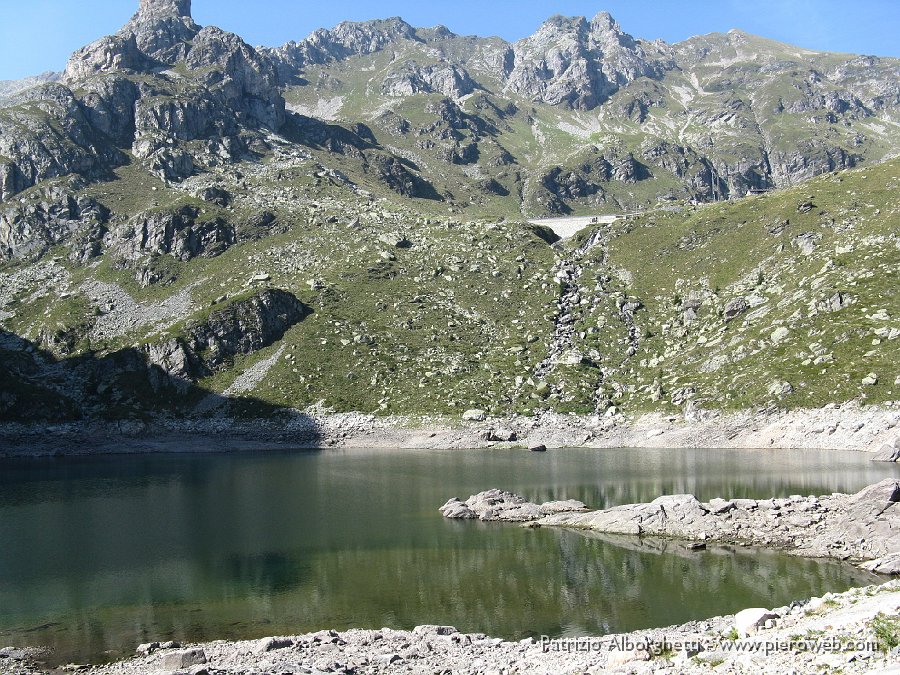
{"x": 605, "y": 30}
{"x": 580, "y": 63}
{"x": 605, "y": 20}
{"x": 151, "y": 9}
{"x": 159, "y": 34}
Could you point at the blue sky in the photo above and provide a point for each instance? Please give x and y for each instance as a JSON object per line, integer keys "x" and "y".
{"x": 40, "y": 34}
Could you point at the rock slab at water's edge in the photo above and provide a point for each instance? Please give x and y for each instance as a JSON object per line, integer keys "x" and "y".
{"x": 505, "y": 506}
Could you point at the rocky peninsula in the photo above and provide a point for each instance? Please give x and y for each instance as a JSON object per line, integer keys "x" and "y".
{"x": 863, "y": 528}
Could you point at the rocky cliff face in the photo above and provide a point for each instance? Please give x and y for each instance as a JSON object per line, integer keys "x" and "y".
{"x": 178, "y": 233}
{"x": 129, "y": 97}
{"x": 54, "y": 215}
{"x": 242, "y": 328}
{"x": 47, "y": 134}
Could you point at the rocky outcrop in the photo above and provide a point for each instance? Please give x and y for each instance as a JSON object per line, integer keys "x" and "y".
{"x": 47, "y": 135}
{"x": 109, "y": 54}
{"x": 863, "y": 526}
{"x": 449, "y": 80}
{"x": 160, "y": 34}
{"x": 181, "y": 234}
{"x": 108, "y": 103}
{"x": 889, "y": 452}
{"x": 239, "y": 77}
{"x": 52, "y": 215}
{"x": 397, "y": 177}
{"x": 244, "y": 327}
{"x": 225, "y": 87}
{"x": 163, "y": 30}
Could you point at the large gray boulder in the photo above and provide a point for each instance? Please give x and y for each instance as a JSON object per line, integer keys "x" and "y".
{"x": 174, "y": 661}
{"x": 889, "y": 452}
{"x": 889, "y": 564}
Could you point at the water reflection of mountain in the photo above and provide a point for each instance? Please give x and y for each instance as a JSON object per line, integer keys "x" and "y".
{"x": 513, "y": 583}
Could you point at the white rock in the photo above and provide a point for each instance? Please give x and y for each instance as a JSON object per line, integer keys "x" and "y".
{"x": 749, "y": 621}
{"x": 621, "y": 657}
{"x": 779, "y": 334}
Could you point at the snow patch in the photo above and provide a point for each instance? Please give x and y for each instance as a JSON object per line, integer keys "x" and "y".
{"x": 327, "y": 109}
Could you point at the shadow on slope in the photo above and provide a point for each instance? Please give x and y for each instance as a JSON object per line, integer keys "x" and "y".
{"x": 120, "y": 387}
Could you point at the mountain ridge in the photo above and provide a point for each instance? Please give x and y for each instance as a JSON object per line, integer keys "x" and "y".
{"x": 572, "y": 64}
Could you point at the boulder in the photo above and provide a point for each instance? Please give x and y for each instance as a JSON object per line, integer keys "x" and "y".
{"x": 503, "y": 435}
{"x": 272, "y": 643}
{"x": 779, "y": 334}
{"x": 889, "y": 564}
{"x": 457, "y": 510}
{"x": 537, "y": 448}
{"x": 474, "y": 415}
{"x": 718, "y": 505}
{"x": 780, "y": 389}
{"x": 182, "y": 659}
{"x": 881, "y": 494}
{"x": 435, "y": 630}
{"x": 619, "y": 657}
{"x": 395, "y": 240}
{"x": 889, "y": 452}
{"x": 735, "y": 308}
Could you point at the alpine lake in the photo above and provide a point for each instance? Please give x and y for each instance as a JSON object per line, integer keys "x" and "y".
{"x": 100, "y": 554}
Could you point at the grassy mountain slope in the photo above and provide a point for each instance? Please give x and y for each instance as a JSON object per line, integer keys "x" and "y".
{"x": 432, "y": 315}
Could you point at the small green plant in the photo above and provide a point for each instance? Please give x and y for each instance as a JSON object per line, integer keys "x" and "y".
{"x": 732, "y": 634}
{"x": 713, "y": 662}
{"x": 666, "y": 654}
{"x": 886, "y": 630}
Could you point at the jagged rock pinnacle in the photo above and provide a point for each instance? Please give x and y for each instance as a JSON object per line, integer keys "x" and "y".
{"x": 159, "y": 8}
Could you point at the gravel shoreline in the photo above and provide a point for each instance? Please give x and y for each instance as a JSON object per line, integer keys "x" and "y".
{"x": 848, "y": 427}
{"x": 847, "y": 632}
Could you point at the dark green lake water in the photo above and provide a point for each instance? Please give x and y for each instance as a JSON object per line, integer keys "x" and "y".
{"x": 99, "y": 555}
